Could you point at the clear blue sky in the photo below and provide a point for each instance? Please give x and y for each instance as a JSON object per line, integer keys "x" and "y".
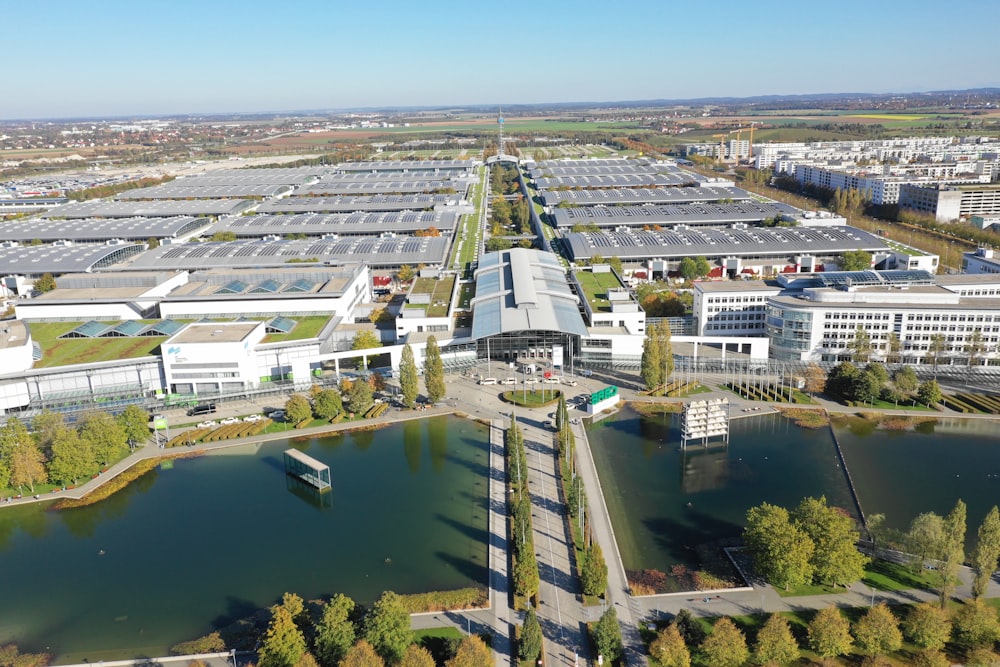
{"x": 66, "y": 58}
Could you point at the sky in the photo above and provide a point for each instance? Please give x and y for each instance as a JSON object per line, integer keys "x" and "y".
{"x": 85, "y": 58}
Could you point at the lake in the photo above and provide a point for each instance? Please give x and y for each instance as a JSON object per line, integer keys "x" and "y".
{"x": 211, "y": 539}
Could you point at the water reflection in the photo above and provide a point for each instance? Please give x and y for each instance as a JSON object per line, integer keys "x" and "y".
{"x": 309, "y": 493}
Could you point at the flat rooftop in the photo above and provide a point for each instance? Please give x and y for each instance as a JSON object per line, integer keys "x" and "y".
{"x": 348, "y": 224}
{"x": 382, "y": 186}
{"x": 634, "y": 196}
{"x": 406, "y": 165}
{"x": 13, "y": 333}
{"x": 99, "y": 229}
{"x": 152, "y": 209}
{"x": 215, "y": 332}
{"x": 413, "y": 202}
{"x": 175, "y": 190}
{"x": 596, "y": 287}
{"x": 623, "y": 181}
{"x": 702, "y": 214}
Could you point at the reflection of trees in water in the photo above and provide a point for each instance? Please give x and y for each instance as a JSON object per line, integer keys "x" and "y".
{"x": 32, "y": 519}
{"x": 83, "y": 521}
{"x": 363, "y": 439}
{"x": 413, "y": 438}
{"x": 437, "y": 431}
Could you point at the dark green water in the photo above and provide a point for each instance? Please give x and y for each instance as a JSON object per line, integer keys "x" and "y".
{"x": 191, "y": 548}
{"x": 904, "y": 473}
{"x": 664, "y": 502}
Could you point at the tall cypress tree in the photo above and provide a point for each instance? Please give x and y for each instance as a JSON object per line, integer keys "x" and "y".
{"x": 408, "y": 376}
{"x": 434, "y": 371}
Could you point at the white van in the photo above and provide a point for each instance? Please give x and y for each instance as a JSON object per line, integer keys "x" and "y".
{"x": 508, "y": 381}
{"x": 488, "y": 381}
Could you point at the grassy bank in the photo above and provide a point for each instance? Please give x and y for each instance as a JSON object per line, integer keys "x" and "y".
{"x": 119, "y": 482}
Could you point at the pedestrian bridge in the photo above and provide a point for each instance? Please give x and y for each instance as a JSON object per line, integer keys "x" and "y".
{"x": 309, "y": 470}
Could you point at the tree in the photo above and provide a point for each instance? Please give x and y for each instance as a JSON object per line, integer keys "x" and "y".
{"x": 975, "y": 346}
{"x": 387, "y": 627}
{"x": 328, "y": 404}
{"x": 433, "y": 371}
{"x": 893, "y": 347}
{"x": 688, "y": 269}
{"x": 860, "y": 345}
{"x": 408, "y": 376}
{"x": 936, "y": 349}
{"x": 365, "y": 339}
{"x": 982, "y": 657}
{"x": 866, "y": 387}
{"x": 987, "y": 552}
{"x": 283, "y": 644}
{"x": 929, "y": 393}
{"x": 905, "y": 379}
{"x": 529, "y": 646}
{"x": 152, "y": 243}
{"x": 134, "y": 421}
{"x": 927, "y": 626}
{"x": 689, "y": 627}
{"x": 701, "y": 266}
{"x": 651, "y": 365}
{"x": 669, "y": 649}
{"x": 405, "y": 273}
{"x": 925, "y": 537}
{"x": 297, "y": 409}
{"x": 836, "y": 559}
{"x": 72, "y": 458}
{"x": 830, "y": 633}
{"x": 360, "y": 396}
{"x": 334, "y": 631}
{"x": 27, "y": 464}
{"x": 526, "y": 574}
{"x": 296, "y": 608}
{"x": 725, "y": 646}
{"x": 616, "y": 264}
{"x": 224, "y": 236}
{"x": 976, "y": 625}
{"x": 45, "y": 283}
{"x": 840, "y": 380}
{"x": 952, "y": 550}
{"x": 775, "y": 642}
{"x": 594, "y": 571}
{"x": 782, "y": 551}
{"x": 856, "y": 260}
{"x": 417, "y": 656}
{"x": 931, "y": 658}
{"x": 877, "y": 632}
{"x": 362, "y": 654}
{"x": 471, "y": 652}
{"x": 105, "y": 435}
{"x": 815, "y": 379}
{"x": 608, "y": 636}
{"x": 12, "y": 434}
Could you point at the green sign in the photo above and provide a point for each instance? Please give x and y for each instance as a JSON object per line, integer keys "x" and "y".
{"x": 160, "y": 423}
{"x": 603, "y": 394}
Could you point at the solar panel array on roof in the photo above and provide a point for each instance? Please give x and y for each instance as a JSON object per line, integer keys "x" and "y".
{"x": 60, "y": 259}
{"x": 624, "y": 181}
{"x": 640, "y": 196}
{"x": 102, "y": 229}
{"x": 151, "y": 209}
{"x": 186, "y": 190}
{"x": 279, "y": 325}
{"x": 358, "y": 203}
{"x": 405, "y": 165}
{"x": 353, "y": 224}
{"x": 374, "y": 187}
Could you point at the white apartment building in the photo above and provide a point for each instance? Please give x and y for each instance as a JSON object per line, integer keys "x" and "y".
{"x": 983, "y": 260}
{"x": 951, "y": 202}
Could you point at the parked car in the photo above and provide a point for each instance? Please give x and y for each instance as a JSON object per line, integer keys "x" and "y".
{"x": 550, "y": 381}
{"x": 252, "y": 418}
{"x": 569, "y": 383}
{"x": 508, "y": 381}
{"x": 229, "y": 420}
{"x": 278, "y": 415}
{"x": 530, "y": 380}
{"x": 203, "y": 409}
{"x": 207, "y": 424}
{"x": 488, "y": 381}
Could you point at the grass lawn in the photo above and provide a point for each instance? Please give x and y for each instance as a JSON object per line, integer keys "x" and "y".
{"x": 305, "y": 327}
{"x": 535, "y": 398}
{"x": 466, "y": 292}
{"x": 885, "y": 576}
{"x": 595, "y": 287}
{"x": 440, "y": 292}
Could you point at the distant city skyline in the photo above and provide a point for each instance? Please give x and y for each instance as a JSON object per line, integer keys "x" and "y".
{"x": 117, "y": 58}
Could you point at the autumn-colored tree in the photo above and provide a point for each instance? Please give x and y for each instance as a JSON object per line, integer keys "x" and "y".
{"x": 471, "y": 652}
{"x": 334, "y": 632}
{"x": 976, "y": 625}
{"x": 387, "y": 627}
{"x": 297, "y": 409}
{"x": 987, "y": 554}
{"x": 782, "y": 551}
{"x": 776, "y": 644}
{"x": 669, "y": 649}
{"x": 877, "y": 632}
{"x": 433, "y": 371}
{"x": 362, "y": 654}
{"x": 830, "y": 633}
{"x": 928, "y": 626}
{"x": 417, "y": 656}
{"x": 283, "y": 644}
{"x": 725, "y": 646}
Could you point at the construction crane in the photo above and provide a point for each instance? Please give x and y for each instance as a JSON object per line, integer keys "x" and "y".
{"x": 739, "y": 136}
{"x": 722, "y": 145}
